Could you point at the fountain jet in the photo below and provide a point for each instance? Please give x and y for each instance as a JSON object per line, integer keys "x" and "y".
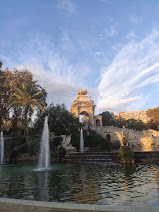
{"x": 44, "y": 158}
{"x": 81, "y": 141}
{"x": 2, "y": 148}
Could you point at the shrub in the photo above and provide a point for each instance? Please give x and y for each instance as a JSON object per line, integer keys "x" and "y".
{"x": 75, "y": 141}
{"x": 34, "y": 147}
{"x": 105, "y": 145}
{"x": 97, "y": 141}
{"x": 126, "y": 154}
{"x": 13, "y": 143}
{"x": 91, "y": 141}
{"x": 115, "y": 144}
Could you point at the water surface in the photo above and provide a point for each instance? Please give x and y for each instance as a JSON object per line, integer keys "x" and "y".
{"x": 82, "y": 183}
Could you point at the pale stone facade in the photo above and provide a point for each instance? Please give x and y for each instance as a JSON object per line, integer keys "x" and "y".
{"x": 84, "y": 105}
{"x": 146, "y": 140}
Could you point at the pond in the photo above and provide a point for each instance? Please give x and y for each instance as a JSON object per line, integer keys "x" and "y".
{"x": 94, "y": 183}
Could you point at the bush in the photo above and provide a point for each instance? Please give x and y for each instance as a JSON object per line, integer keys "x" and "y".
{"x": 94, "y": 141}
{"x": 115, "y": 144}
{"x": 13, "y": 143}
{"x": 97, "y": 141}
{"x": 105, "y": 145}
{"x": 75, "y": 141}
{"x": 34, "y": 147}
{"x": 126, "y": 154}
{"x": 58, "y": 155}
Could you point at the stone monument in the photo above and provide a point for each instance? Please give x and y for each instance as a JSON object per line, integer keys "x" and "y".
{"x": 84, "y": 105}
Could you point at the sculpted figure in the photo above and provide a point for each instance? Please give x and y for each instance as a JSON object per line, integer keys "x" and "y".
{"x": 66, "y": 144}
{"x": 123, "y": 137}
{"x": 80, "y": 92}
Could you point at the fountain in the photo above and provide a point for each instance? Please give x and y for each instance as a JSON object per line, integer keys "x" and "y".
{"x": 81, "y": 141}
{"x": 44, "y": 158}
{"x": 2, "y": 148}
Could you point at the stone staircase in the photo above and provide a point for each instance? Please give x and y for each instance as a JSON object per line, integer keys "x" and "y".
{"x": 147, "y": 157}
{"x": 89, "y": 157}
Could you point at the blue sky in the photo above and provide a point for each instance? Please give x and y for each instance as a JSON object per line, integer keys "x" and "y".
{"x": 109, "y": 47}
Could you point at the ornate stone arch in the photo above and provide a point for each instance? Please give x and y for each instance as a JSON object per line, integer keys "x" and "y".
{"x": 97, "y": 123}
{"x": 83, "y": 105}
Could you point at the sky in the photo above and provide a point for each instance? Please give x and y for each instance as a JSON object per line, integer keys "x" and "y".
{"x": 109, "y": 47}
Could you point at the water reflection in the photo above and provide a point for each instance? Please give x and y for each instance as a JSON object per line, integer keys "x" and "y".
{"x": 43, "y": 186}
{"x": 85, "y": 183}
{"x": 85, "y": 187}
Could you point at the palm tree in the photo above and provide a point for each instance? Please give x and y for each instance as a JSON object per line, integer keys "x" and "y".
{"x": 29, "y": 97}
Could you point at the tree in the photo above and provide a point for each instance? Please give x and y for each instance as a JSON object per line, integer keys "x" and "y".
{"x": 4, "y": 97}
{"x": 153, "y": 115}
{"x": 9, "y": 81}
{"x": 119, "y": 122}
{"x": 29, "y": 97}
{"x": 1, "y": 64}
{"x": 107, "y": 118}
{"x": 134, "y": 124}
{"x": 60, "y": 120}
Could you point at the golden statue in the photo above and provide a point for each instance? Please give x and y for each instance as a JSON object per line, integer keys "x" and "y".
{"x": 80, "y": 92}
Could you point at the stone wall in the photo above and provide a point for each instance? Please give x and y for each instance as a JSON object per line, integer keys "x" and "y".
{"x": 146, "y": 140}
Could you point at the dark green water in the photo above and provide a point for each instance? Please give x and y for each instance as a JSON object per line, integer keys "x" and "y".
{"x": 82, "y": 183}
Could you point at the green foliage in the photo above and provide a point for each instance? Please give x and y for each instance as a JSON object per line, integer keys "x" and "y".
{"x": 124, "y": 140}
{"x": 75, "y": 140}
{"x": 1, "y": 64}
{"x": 13, "y": 143}
{"x": 130, "y": 124}
{"x": 29, "y": 97}
{"x": 93, "y": 141}
{"x": 134, "y": 124}
{"x": 107, "y": 118}
{"x": 96, "y": 141}
{"x": 10, "y": 82}
{"x": 54, "y": 155}
{"x": 126, "y": 154}
{"x": 60, "y": 120}
{"x": 57, "y": 152}
{"x": 34, "y": 147}
{"x": 153, "y": 115}
{"x": 105, "y": 145}
{"x": 115, "y": 144}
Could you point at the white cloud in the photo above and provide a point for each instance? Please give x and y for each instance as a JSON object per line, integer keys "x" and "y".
{"x": 124, "y": 83}
{"x": 131, "y": 35}
{"x": 66, "y": 5}
{"x": 52, "y": 68}
{"x": 61, "y": 88}
{"x": 97, "y": 53}
{"x": 109, "y": 32}
{"x": 66, "y": 42}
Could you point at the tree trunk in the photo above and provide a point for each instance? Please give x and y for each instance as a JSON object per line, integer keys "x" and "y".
{"x": 26, "y": 123}
{"x": 26, "y": 127}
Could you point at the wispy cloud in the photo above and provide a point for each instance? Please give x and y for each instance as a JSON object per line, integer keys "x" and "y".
{"x": 60, "y": 89}
{"x": 136, "y": 19}
{"x": 66, "y": 5}
{"x": 109, "y": 31}
{"x": 131, "y": 35}
{"x": 106, "y": 1}
{"x": 126, "y": 81}
{"x": 51, "y": 67}
{"x": 66, "y": 42}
